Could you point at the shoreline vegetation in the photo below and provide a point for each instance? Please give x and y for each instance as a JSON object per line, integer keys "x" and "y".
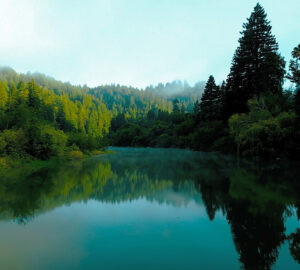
{"x": 8, "y": 164}
{"x": 249, "y": 114}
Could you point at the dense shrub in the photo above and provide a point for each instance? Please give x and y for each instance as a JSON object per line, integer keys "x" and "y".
{"x": 259, "y": 133}
{"x": 12, "y": 142}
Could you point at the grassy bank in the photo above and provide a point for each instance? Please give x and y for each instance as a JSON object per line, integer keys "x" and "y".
{"x": 28, "y": 164}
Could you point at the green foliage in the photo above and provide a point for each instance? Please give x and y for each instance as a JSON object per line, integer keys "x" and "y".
{"x": 176, "y": 130}
{"x": 36, "y": 121}
{"x": 52, "y": 142}
{"x": 75, "y": 154}
{"x": 12, "y": 142}
{"x": 3, "y": 95}
{"x": 84, "y": 141}
{"x": 259, "y": 133}
{"x": 45, "y": 141}
{"x": 176, "y": 107}
{"x": 297, "y": 103}
{"x": 129, "y": 135}
{"x": 294, "y": 75}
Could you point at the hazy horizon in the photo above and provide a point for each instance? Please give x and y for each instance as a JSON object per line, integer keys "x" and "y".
{"x": 137, "y": 43}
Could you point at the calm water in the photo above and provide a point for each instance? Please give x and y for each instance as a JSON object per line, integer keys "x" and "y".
{"x": 151, "y": 209}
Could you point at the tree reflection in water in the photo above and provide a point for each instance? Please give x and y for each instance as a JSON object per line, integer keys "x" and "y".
{"x": 254, "y": 199}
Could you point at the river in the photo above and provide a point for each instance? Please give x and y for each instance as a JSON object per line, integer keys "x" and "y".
{"x": 143, "y": 208}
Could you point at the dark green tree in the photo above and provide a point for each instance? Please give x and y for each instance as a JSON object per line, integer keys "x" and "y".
{"x": 196, "y": 109}
{"x": 208, "y": 99}
{"x": 176, "y": 107}
{"x": 3, "y": 95}
{"x": 257, "y": 67}
{"x": 297, "y": 102}
{"x": 151, "y": 115}
{"x": 117, "y": 122}
{"x": 294, "y": 75}
{"x": 13, "y": 97}
{"x": 294, "y": 244}
{"x": 33, "y": 96}
{"x": 182, "y": 108}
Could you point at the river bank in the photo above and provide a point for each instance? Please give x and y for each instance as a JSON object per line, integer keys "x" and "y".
{"x": 10, "y": 164}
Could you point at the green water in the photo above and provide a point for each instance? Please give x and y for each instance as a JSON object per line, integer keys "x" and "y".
{"x": 152, "y": 209}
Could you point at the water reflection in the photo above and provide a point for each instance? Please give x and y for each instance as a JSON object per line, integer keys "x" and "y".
{"x": 255, "y": 200}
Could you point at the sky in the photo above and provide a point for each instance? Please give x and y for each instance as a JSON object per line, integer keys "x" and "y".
{"x": 134, "y": 42}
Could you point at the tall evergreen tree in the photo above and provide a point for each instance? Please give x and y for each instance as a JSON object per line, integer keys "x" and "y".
{"x": 176, "y": 107}
{"x": 33, "y": 95}
{"x": 207, "y": 99}
{"x": 13, "y": 97}
{"x": 182, "y": 108}
{"x": 23, "y": 92}
{"x": 196, "y": 109}
{"x": 222, "y": 99}
{"x": 218, "y": 102}
{"x": 257, "y": 67}
{"x": 297, "y": 102}
{"x": 294, "y": 75}
{"x": 3, "y": 95}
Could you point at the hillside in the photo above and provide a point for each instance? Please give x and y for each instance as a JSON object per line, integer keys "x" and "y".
{"x": 41, "y": 117}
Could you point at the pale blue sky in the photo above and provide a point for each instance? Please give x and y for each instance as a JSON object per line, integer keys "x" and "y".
{"x": 133, "y": 42}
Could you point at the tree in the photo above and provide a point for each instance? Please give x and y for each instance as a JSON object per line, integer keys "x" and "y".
{"x": 33, "y": 95}
{"x": 218, "y": 102}
{"x": 294, "y": 75}
{"x": 257, "y": 67}
{"x": 13, "y": 97}
{"x": 176, "y": 108}
{"x": 182, "y": 108}
{"x": 297, "y": 102}
{"x": 294, "y": 244}
{"x": 222, "y": 93}
{"x": 151, "y": 115}
{"x": 196, "y": 109}
{"x": 23, "y": 92}
{"x": 207, "y": 99}
{"x": 3, "y": 95}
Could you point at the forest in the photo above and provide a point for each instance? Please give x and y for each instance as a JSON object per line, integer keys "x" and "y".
{"x": 251, "y": 113}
